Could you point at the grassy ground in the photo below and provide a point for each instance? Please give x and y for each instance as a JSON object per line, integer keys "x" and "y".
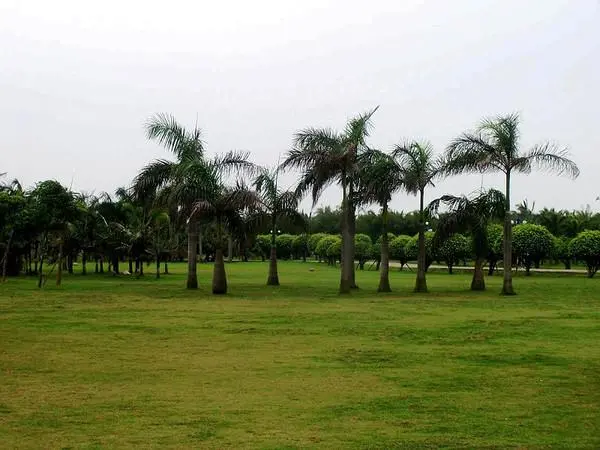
{"x": 119, "y": 363}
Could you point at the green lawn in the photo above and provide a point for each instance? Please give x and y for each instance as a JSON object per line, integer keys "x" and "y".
{"x": 109, "y": 362}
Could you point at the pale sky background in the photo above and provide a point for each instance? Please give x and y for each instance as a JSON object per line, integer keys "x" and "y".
{"x": 78, "y": 79}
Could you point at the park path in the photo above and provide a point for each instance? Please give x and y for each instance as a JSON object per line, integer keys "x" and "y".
{"x": 470, "y": 268}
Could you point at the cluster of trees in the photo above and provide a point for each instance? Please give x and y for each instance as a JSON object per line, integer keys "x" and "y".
{"x": 201, "y": 202}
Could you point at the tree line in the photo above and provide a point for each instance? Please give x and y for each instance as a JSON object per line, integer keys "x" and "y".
{"x": 196, "y": 205}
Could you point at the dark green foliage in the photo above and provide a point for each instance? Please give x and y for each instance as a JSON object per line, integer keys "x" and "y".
{"x": 531, "y": 244}
{"x": 398, "y": 249}
{"x": 586, "y": 246}
{"x": 285, "y": 246}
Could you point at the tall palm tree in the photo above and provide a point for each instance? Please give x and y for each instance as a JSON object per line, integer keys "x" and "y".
{"x": 494, "y": 147}
{"x": 420, "y": 167}
{"x": 276, "y": 204}
{"x": 225, "y": 206}
{"x": 471, "y": 215}
{"x": 326, "y": 156}
{"x": 192, "y": 177}
{"x": 380, "y": 177}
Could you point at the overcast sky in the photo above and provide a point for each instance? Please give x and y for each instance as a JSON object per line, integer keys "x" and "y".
{"x": 78, "y": 79}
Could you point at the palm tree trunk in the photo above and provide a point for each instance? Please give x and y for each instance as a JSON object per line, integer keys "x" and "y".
{"x": 421, "y": 283}
{"x": 273, "y": 279}
{"x": 200, "y": 249}
{"x": 229, "y": 248}
{"x": 157, "y": 265}
{"x": 5, "y": 259}
{"x": 41, "y": 269}
{"x": 507, "y": 286}
{"x": 102, "y": 264}
{"x": 84, "y": 263}
{"x": 352, "y": 244}
{"x": 60, "y": 261}
{"x": 166, "y": 271}
{"x": 192, "y": 277}
{"x": 130, "y": 265}
{"x": 384, "y": 268}
{"x": 478, "y": 282}
{"x": 346, "y": 262}
{"x": 219, "y": 281}
{"x": 141, "y": 268}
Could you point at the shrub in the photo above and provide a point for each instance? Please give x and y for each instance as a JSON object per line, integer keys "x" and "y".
{"x": 398, "y": 249}
{"x": 453, "y": 249}
{"x": 300, "y": 246}
{"x": 495, "y": 233}
{"x": 412, "y": 248}
{"x": 561, "y": 251}
{"x": 285, "y": 246}
{"x": 323, "y": 246}
{"x": 262, "y": 245}
{"x": 586, "y": 246}
{"x": 363, "y": 249}
{"x": 334, "y": 250}
{"x": 531, "y": 244}
{"x": 313, "y": 240}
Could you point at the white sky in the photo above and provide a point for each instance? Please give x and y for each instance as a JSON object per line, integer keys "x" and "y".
{"x": 78, "y": 79}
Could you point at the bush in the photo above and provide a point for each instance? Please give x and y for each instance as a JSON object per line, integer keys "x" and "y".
{"x": 285, "y": 246}
{"x": 412, "y": 248}
{"x": 561, "y": 251}
{"x": 363, "y": 249}
{"x": 262, "y": 245}
{"x": 531, "y": 244}
{"x": 453, "y": 249}
{"x": 398, "y": 249}
{"x": 300, "y": 246}
{"x": 495, "y": 238}
{"x": 321, "y": 250}
{"x": 376, "y": 248}
{"x": 586, "y": 246}
{"x": 334, "y": 250}
{"x": 313, "y": 240}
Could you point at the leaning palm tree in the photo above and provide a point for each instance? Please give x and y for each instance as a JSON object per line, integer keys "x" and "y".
{"x": 472, "y": 215}
{"x": 420, "y": 167}
{"x": 225, "y": 207}
{"x": 380, "y": 177}
{"x": 325, "y": 157}
{"x": 494, "y": 147}
{"x": 183, "y": 182}
{"x": 276, "y": 204}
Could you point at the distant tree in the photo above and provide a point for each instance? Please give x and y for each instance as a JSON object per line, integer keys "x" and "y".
{"x": 561, "y": 251}
{"x": 398, "y": 249}
{"x": 473, "y": 216}
{"x": 313, "y": 240}
{"x": 322, "y": 248}
{"x": 494, "y": 147}
{"x": 412, "y": 249}
{"x": 419, "y": 167}
{"x": 532, "y": 243}
{"x": 326, "y": 156}
{"x": 285, "y": 246}
{"x": 586, "y": 247}
{"x": 453, "y": 249}
{"x": 300, "y": 246}
{"x": 224, "y": 207}
{"x": 364, "y": 249}
{"x": 495, "y": 246}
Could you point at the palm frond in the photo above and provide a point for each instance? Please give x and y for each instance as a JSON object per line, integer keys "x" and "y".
{"x": 165, "y": 129}
{"x": 152, "y": 177}
{"x": 547, "y": 157}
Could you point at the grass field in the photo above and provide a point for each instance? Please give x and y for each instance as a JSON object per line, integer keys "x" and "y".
{"x": 109, "y": 362}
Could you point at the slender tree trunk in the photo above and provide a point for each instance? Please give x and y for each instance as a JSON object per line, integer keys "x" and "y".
{"x": 384, "y": 268}
{"x": 567, "y": 264}
{"x": 273, "y": 278}
{"x": 115, "y": 264}
{"x": 346, "y": 261}
{"x": 84, "y": 263}
{"x": 166, "y": 272}
{"x": 219, "y": 282}
{"x": 478, "y": 282}
{"x": 229, "y": 249}
{"x": 5, "y": 259}
{"x": 157, "y": 265}
{"x": 450, "y": 267}
{"x": 507, "y": 285}
{"x": 102, "y": 264}
{"x": 200, "y": 240}
{"x": 130, "y": 265}
{"x": 352, "y": 246}
{"x": 141, "y": 268}
{"x": 421, "y": 283}
{"x": 70, "y": 263}
{"x": 41, "y": 271}
{"x": 192, "y": 278}
{"x": 59, "y": 266}
{"x": 96, "y": 268}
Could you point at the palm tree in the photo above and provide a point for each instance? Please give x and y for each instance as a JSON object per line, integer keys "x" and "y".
{"x": 419, "y": 167}
{"x": 192, "y": 177}
{"x": 276, "y": 203}
{"x": 225, "y": 207}
{"x": 326, "y": 156}
{"x": 494, "y": 147}
{"x": 473, "y": 216}
{"x": 380, "y": 177}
